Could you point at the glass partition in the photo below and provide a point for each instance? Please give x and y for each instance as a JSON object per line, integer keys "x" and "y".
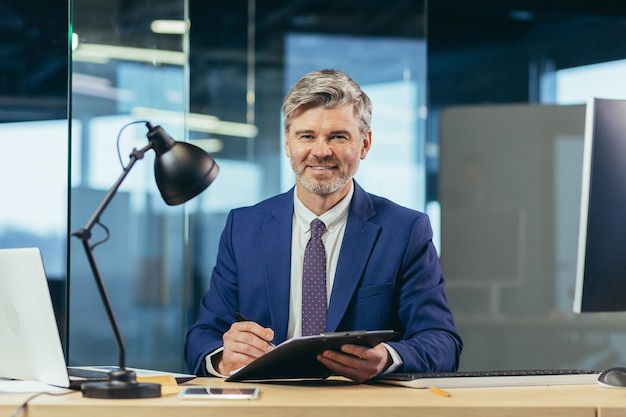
{"x": 34, "y": 129}
{"x": 246, "y": 54}
{"x": 129, "y": 64}
{"x": 507, "y": 169}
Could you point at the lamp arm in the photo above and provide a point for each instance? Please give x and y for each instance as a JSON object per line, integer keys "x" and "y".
{"x": 84, "y": 234}
{"x": 134, "y": 157}
{"x": 105, "y": 302}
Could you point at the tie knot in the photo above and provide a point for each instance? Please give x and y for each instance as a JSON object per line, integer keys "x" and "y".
{"x": 317, "y": 228}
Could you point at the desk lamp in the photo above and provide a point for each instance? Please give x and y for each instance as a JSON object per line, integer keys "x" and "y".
{"x": 182, "y": 171}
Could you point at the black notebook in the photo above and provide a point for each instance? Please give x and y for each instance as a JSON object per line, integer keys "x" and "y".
{"x": 296, "y": 358}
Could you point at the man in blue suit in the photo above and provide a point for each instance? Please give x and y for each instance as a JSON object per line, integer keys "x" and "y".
{"x": 382, "y": 269}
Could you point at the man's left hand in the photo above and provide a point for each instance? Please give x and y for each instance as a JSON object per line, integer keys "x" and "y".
{"x": 358, "y": 363}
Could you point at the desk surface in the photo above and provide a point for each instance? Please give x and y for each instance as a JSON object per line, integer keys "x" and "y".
{"x": 610, "y": 402}
{"x": 340, "y": 398}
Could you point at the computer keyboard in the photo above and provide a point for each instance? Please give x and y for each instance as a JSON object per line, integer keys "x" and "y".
{"x": 505, "y": 378}
{"x": 90, "y": 373}
{"x": 101, "y": 372}
{"x": 79, "y": 376}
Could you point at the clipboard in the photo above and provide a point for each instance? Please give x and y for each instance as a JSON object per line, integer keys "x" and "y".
{"x": 295, "y": 359}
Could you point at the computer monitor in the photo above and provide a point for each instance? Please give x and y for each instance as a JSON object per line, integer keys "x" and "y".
{"x": 601, "y": 261}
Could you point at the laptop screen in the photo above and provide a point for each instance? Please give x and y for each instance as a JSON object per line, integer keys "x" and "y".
{"x": 31, "y": 347}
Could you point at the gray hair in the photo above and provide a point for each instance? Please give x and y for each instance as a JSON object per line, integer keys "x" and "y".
{"x": 329, "y": 89}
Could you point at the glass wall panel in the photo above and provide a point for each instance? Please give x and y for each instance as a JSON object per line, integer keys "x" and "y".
{"x": 506, "y": 168}
{"x": 246, "y": 54}
{"x": 126, "y": 69}
{"x": 34, "y": 135}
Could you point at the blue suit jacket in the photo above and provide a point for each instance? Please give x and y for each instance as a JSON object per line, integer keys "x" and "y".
{"x": 388, "y": 277}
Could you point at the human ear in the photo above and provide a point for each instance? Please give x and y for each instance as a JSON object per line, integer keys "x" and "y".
{"x": 367, "y": 144}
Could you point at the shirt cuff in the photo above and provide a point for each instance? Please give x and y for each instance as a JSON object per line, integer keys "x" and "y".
{"x": 209, "y": 363}
{"x": 396, "y": 360}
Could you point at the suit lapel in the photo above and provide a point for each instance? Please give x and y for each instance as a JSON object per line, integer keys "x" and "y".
{"x": 358, "y": 241}
{"x": 276, "y": 257}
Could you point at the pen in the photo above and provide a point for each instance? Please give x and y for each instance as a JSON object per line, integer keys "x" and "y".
{"x": 240, "y": 317}
{"x": 440, "y": 391}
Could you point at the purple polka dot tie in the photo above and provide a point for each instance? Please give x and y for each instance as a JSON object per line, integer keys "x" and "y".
{"x": 314, "y": 308}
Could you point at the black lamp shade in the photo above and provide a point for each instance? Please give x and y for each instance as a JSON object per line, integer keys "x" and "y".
{"x": 182, "y": 170}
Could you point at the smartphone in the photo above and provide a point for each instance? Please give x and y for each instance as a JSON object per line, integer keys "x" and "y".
{"x": 235, "y": 393}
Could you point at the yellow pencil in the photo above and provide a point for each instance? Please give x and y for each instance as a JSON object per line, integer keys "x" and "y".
{"x": 440, "y": 391}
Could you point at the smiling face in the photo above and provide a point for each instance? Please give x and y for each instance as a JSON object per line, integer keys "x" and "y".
{"x": 325, "y": 147}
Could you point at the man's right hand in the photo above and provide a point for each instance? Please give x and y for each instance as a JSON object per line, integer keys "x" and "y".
{"x": 243, "y": 342}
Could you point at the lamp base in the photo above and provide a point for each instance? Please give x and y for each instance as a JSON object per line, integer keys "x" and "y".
{"x": 122, "y": 383}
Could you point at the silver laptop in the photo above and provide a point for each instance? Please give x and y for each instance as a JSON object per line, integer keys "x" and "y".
{"x": 30, "y": 345}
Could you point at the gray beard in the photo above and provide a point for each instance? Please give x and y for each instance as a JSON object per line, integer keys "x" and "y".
{"x": 323, "y": 187}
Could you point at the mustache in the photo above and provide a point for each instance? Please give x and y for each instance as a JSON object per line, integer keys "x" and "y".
{"x": 325, "y": 161}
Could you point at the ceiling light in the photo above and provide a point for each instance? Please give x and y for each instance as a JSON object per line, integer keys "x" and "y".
{"x": 98, "y": 53}
{"x": 75, "y": 41}
{"x": 170, "y": 27}
{"x": 210, "y": 145}
{"x": 199, "y": 122}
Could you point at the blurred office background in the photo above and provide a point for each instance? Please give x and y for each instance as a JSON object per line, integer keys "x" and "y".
{"x": 478, "y": 120}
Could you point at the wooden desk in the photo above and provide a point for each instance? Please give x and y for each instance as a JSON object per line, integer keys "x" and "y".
{"x": 342, "y": 399}
{"x": 610, "y": 402}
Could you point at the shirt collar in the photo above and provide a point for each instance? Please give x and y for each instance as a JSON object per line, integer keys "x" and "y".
{"x": 333, "y": 217}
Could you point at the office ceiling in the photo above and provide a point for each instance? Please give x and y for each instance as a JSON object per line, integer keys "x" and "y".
{"x": 31, "y": 68}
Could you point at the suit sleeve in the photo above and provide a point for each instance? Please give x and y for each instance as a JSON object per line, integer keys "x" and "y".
{"x": 430, "y": 342}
